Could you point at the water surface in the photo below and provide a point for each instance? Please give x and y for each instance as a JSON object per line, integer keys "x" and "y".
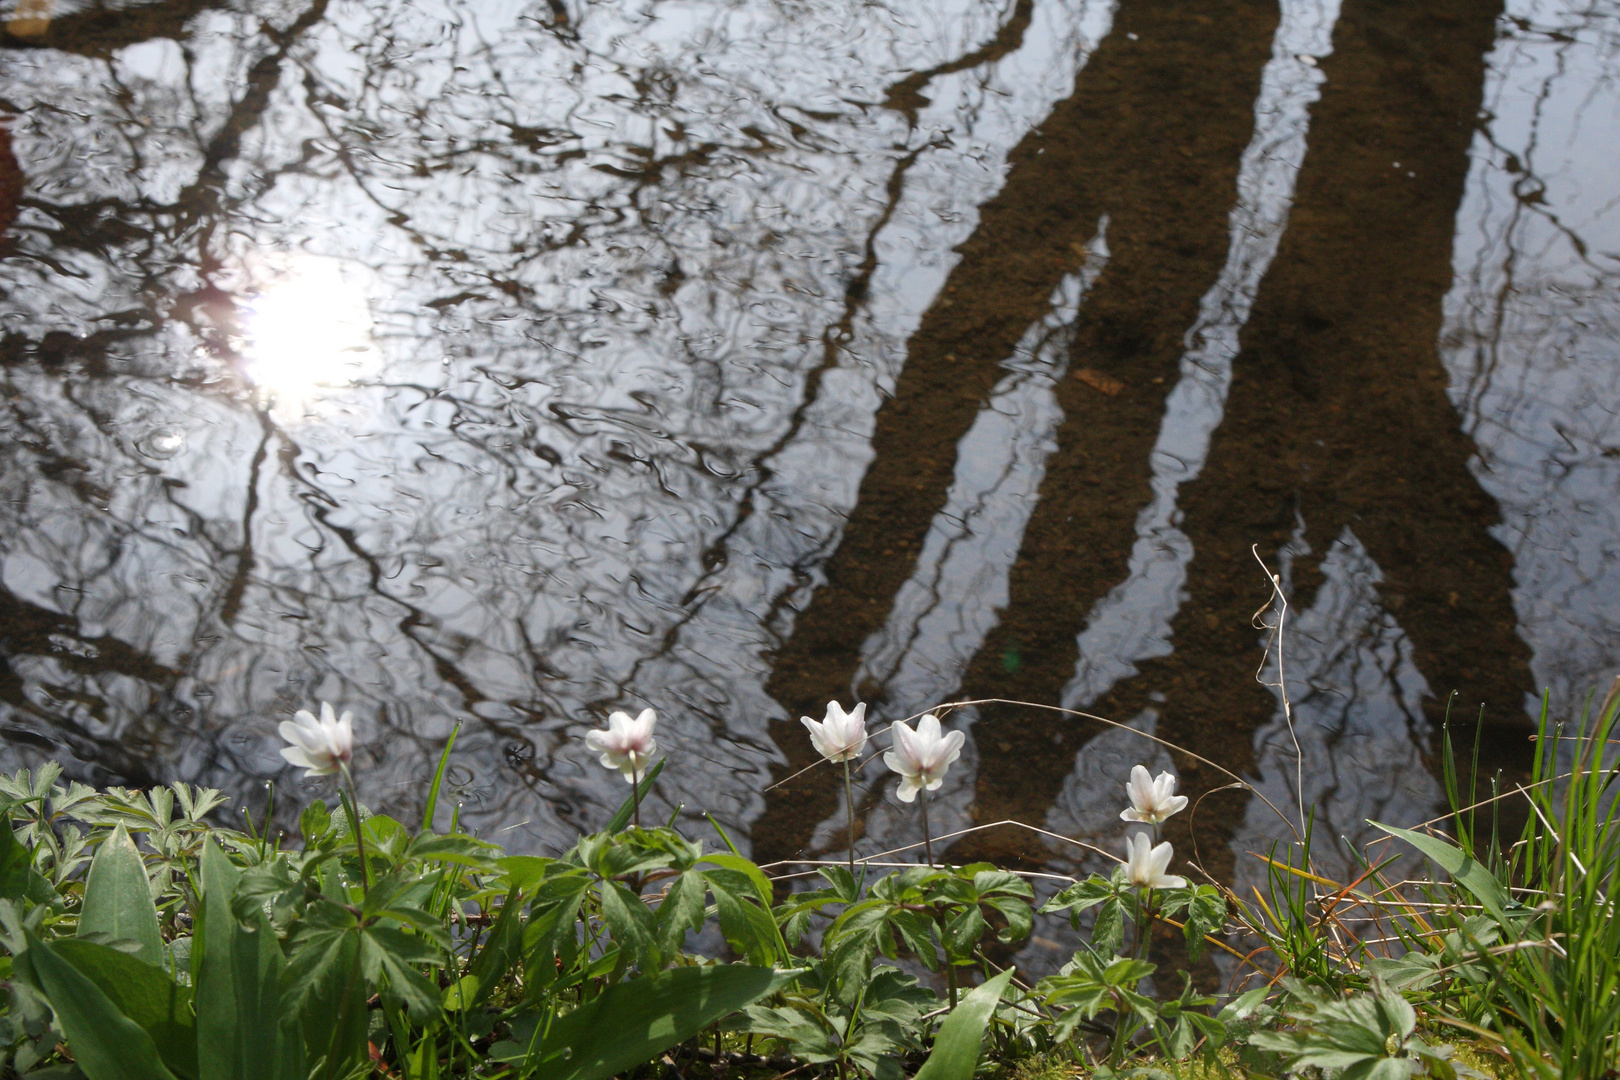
{"x": 510, "y": 363}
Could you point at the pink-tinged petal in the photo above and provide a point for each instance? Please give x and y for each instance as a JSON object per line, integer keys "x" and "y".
{"x": 908, "y": 789}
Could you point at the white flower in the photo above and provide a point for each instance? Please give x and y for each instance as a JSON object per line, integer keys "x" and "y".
{"x": 1146, "y": 865}
{"x": 922, "y": 756}
{"x": 1152, "y": 800}
{"x": 842, "y": 735}
{"x": 320, "y": 747}
{"x": 627, "y": 745}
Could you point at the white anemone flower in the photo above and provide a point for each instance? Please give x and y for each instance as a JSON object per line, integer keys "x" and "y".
{"x": 922, "y": 757}
{"x": 319, "y": 747}
{"x": 1145, "y": 865}
{"x": 627, "y": 745}
{"x": 1152, "y": 800}
{"x": 842, "y": 735}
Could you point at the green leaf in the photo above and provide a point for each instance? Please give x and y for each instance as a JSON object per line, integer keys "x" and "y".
{"x": 812, "y": 1040}
{"x": 501, "y": 949}
{"x": 106, "y": 1044}
{"x": 267, "y": 1043}
{"x": 681, "y": 910}
{"x": 622, "y": 818}
{"x": 747, "y": 926}
{"x": 630, "y": 922}
{"x": 635, "y": 1021}
{"x": 1461, "y": 866}
{"x": 314, "y": 824}
{"x": 956, "y": 1047}
{"x": 964, "y": 930}
{"x": 1108, "y": 932}
{"x": 842, "y": 881}
{"x": 326, "y": 985}
{"x": 18, "y": 878}
{"x": 212, "y": 972}
{"x": 143, "y": 993}
{"x": 118, "y": 901}
{"x": 390, "y": 953}
{"x": 438, "y": 780}
{"x": 453, "y": 848}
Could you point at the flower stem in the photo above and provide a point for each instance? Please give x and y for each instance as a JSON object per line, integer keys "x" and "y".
{"x": 928, "y": 845}
{"x": 345, "y": 794}
{"x": 849, "y": 801}
{"x": 635, "y": 792}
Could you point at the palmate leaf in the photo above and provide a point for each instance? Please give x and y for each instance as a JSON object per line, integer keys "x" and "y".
{"x": 748, "y": 926}
{"x": 633, "y": 1022}
{"x": 18, "y": 878}
{"x": 630, "y": 922}
{"x": 681, "y": 910}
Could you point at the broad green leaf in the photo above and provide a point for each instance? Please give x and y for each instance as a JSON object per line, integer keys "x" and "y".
{"x": 106, "y": 1044}
{"x": 118, "y": 901}
{"x": 266, "y": 1043}
{"x": 143, "y": 993}
{"x": 956, "y": 1047}
{"x": 1480, "y": 882}
{"x": 211, "y": 970}
{"x": 635, "y": 1021}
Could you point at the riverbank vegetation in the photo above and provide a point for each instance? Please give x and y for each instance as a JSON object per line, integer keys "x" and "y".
{"x": 143, "y": 941}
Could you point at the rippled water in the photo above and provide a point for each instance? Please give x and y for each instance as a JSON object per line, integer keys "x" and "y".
{"x": 514, "y": 362}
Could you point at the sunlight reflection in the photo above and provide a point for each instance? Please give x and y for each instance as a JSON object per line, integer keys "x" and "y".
{"x": 308, "y": 330}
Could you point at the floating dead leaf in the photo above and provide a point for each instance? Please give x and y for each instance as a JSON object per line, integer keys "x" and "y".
{"x": 1103, "y": 384}
{"x": 31, "y": 18}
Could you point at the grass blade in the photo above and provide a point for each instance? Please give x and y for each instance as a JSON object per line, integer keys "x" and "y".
{"x": 438, "y": 780}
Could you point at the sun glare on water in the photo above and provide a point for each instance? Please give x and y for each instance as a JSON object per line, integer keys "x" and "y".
{"x": 308, "y": 331}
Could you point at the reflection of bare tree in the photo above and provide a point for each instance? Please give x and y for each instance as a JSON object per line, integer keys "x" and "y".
{"x": 1151, "y": 139}
{"x": 1532, "y": 325}
{"x": 594, "y": 261}
{"x": 1339, "y": 417}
